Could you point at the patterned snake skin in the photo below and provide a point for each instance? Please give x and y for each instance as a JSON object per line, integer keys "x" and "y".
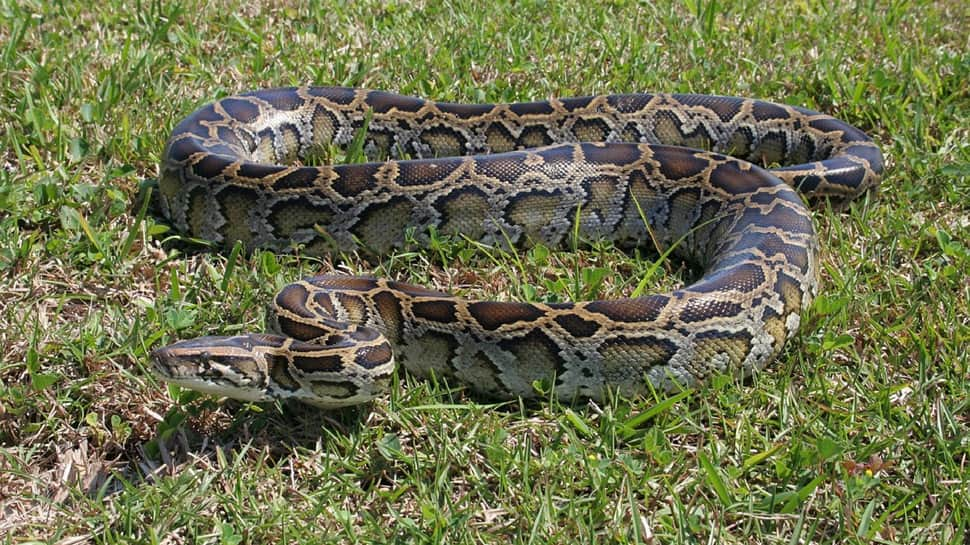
{"x": 508, "y": 173}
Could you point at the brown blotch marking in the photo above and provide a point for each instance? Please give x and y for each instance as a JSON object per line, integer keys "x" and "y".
{"x": 561, "y": 154}
{"x": 340, "y": 95}
{"x": 733, "y": 180}
{"x": 436, "y": 311}
{"x": 715, "y": 230}
{"x": 682, "y": 207}
{"x": 577, "y": 103}
{"x": 827, "y": 124}
{"x": 770, "y": 244}
{"x": 258, "y": 171}
{"x": 321, "y": 363}
{"x": 532, "y": 108}
{"x": 284, "y": 98}
{"x": 614, "y": 154}
{"x": 678, "y": 163}
{"x": 183, "y": 148}
{"x": 370, "y": 357}
{"x": 262, "y": 339}
{"x": 725, "y": 107}
{"x": 700, "y": 309}
{"x": 464, "y": 111}
{"x": 502, "y": 167}
{"x": 352, "y": 180}
{"x": 390, "y": 311}
{"x": 781, "y": 197}
{"x": 293, "y": 298}
{"x": 425, "y": 171}
{"x": 211, "y": 166}
{"x": 224, "y": 150}
{"x": 301, "y": 330}
{"x": 631, "y": 133}
{"x": 288, "y": 217}
{"x": 765, "y": 110}
{"x": 576, "y": 326}
{"x": 463, "y": 212}
{"x": 298, "y": 178}
{"x": 848, "y": 173}
{"x": 381, "y": 226}
{"x": 805, "y": 183}
{"x": 629, "y": 103}
{"x": 193, "y": 127}
{"x": 383, "y": 102}
{"x": 242, "y": 110}
{"x": 641, "y": 309}
{"x": 237, "y": 204}
{"x": 493, "y": 314}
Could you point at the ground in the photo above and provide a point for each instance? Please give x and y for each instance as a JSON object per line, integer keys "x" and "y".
{"x": 857, "y": 434}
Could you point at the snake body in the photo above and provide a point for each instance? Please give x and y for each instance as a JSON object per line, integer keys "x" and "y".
{"x": 651, "y": 170}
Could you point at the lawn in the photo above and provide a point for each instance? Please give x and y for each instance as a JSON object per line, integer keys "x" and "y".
{"x": 858, "y": 433}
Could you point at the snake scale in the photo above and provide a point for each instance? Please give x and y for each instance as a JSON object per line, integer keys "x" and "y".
{"x": 655, "y": 170}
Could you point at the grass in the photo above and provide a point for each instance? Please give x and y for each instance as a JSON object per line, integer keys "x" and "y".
{"x": 858, "y": 434}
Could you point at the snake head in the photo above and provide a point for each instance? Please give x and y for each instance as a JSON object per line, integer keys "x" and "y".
{"x": 259, "y": 367}
{"x": 237, "y": 367}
